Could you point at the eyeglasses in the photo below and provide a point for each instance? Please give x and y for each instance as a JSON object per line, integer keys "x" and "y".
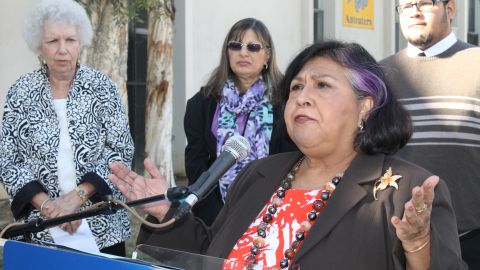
{"x": 251, "y": 47}
{"x": 423, "y": 6}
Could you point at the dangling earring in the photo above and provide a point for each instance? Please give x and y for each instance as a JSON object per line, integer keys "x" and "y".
{"x": 265, "y": 66}
{"x": 361, "y": 124}
{"x": 42, "y": 61}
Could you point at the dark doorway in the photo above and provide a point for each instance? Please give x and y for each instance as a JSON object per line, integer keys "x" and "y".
{"x": 136, "y": 86}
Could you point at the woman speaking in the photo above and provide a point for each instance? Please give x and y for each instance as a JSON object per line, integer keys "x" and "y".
{"x": 344, "y": 201}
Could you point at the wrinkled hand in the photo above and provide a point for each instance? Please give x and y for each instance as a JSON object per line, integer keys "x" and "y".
{"x": 414, "y": 227}
{"x": 66, "y": 204}
{"x": 135, "y": 186}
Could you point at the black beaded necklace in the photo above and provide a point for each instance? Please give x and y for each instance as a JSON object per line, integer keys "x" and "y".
{"x": 317, "y": 205}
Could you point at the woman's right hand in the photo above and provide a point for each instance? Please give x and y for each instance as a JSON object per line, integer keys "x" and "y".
{"x": 58, "y": 207}
{"x": 135, "y": 186}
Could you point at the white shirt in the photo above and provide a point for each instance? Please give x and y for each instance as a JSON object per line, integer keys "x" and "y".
{"x": 83, "y": 238}
{"x": 65, "y": 164}
{"x": 436, "y": 49}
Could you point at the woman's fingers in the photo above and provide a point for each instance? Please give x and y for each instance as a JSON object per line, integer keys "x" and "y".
{"x": 119, "y": 178}
{"x": 401, "y": 227}
{"x": 133, "y": 185}
{"x": 422, "y": 198}
{"x": 126, "y": 189}
{"x": 122, "y": 173}
{"x": 66, "y": 227}
{"x": 55, "y": 210}
{"x": 151, "y": 168}
{"x": 75, "y": 225}
{"x": 428, "y": 188}
{"x": 125, "y": 179}
{"x": 47, "y": 210}
{"x": 417, "y": 200}
{"x": 69, "y": 227}
{"x": 117, "y": 182}
{"x": 415, "y": 222}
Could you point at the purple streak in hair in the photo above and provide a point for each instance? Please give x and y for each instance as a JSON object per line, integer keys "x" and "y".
{"x": 362, "y": 76}
{"x": 367, "y": 83}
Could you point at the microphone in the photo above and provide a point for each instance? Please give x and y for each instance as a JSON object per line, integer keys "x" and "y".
{"x": 235, "y": 148}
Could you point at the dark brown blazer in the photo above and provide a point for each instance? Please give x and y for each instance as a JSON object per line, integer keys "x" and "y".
{"x": 353, "y": 231}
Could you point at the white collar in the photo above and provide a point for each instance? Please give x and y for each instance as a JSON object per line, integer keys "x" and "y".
{"x": 436, "y": 49}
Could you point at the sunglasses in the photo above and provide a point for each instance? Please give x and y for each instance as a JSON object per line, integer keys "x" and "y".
{"x": 251, "y": 47}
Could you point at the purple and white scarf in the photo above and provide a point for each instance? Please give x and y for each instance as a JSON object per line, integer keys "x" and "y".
{"x": 249, "y": 115}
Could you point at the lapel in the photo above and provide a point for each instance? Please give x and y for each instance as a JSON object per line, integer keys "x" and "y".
{"x": 364, "y": 168}
{"x": 260, "y": 187}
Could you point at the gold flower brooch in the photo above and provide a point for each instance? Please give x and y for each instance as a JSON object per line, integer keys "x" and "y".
{"x": 387, "y": 180}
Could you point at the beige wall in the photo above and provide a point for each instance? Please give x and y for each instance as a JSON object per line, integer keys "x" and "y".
{"x": 15, "y": 57}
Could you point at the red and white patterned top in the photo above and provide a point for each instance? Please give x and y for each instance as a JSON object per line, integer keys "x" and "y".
{"x": 280, "y": 231}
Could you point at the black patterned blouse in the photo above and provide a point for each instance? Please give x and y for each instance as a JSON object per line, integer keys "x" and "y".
{"x": 99, "y": 133}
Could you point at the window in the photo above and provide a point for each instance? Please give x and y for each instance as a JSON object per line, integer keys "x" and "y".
{"x": 472, "y": 36}
{"x": 318, "y": 20}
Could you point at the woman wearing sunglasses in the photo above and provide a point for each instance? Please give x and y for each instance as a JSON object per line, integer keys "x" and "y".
{"x": 239, "y": 98}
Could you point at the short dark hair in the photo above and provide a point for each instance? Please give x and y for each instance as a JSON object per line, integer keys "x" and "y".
{"x": 388, "y": 126}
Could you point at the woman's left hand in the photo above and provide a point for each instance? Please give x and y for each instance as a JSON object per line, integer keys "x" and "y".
{"x": 414, "y": 227}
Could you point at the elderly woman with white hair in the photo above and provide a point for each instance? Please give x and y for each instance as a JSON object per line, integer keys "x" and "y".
{"x": 62, "y": 125}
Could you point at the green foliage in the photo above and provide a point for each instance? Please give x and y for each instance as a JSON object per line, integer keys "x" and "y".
{"x": 130, "y": 9}
{"x": 136, "y": 6}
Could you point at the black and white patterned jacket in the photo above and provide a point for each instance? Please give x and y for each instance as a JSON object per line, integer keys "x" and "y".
{"x": 99, "y": 133}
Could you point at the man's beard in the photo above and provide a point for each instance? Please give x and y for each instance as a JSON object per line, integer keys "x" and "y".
{"x": 423, "y": 40}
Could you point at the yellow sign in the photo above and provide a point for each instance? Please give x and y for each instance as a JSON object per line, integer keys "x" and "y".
{"x": 358, "y": 13}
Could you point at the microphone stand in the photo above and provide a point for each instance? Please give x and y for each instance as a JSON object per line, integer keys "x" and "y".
{"x": 40, "y": 224}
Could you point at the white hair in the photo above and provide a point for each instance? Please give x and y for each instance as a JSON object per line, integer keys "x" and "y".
{"x": 64, "y": 11}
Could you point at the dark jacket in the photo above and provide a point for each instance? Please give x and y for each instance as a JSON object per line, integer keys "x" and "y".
{"x": 201, "y": 150}
{"x": 353, "y": 231}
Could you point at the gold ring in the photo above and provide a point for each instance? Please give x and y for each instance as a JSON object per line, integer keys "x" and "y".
{"x": 421, "y": 209}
